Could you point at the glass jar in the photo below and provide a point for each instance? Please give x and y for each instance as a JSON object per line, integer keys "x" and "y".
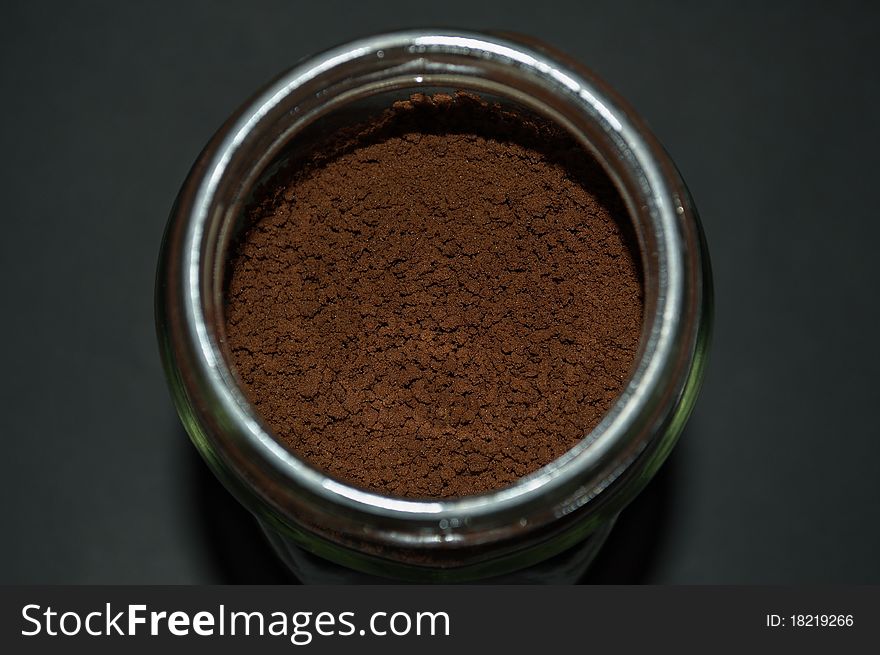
{"x": 548, "y": 525}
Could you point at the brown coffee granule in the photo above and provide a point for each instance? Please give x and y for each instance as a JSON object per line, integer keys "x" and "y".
{"x": 437, "y": 302}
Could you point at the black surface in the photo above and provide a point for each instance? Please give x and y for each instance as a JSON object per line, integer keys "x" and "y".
{"x": 770, "y": 112}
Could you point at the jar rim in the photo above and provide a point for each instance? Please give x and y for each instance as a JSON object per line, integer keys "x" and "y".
{"x": 231, "y": 434}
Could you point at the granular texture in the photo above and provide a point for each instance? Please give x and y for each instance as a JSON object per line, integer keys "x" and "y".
{"x": 436, "y": 302}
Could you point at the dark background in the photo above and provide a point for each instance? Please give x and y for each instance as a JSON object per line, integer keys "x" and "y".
{"x": 771, "y": 112}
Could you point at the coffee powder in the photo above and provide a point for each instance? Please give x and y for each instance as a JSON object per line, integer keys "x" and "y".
{"x": 437, "y": 302}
